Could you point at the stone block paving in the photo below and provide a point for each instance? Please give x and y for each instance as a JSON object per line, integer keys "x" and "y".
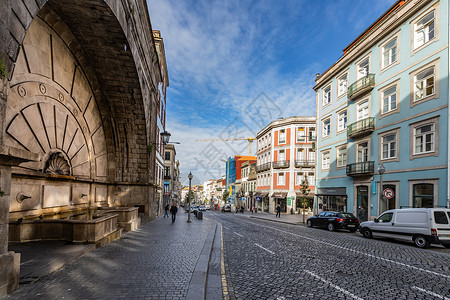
{"x": 296, "y": 262}
{"x": 154, "y": 262}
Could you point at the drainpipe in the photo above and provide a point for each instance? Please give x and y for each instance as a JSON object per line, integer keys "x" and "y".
{"x": 448, "y": 117}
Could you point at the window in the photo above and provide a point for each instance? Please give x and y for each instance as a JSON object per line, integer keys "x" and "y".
{"x": 390, "y": 53}
{"x": 326, "y": 95}
{"x": 282, "y": 137}
{"x": 389, "y": 99}
{"x": 424, "y": 84}
{"x": 424, "y": 30}
{"x": 342, "y": 120}
{"x": 385, "y": 218}
{"x": 326, "y": 128}
{"x": 281, "y": 179}
{"x": 362, "y": 152}
{"x": 326, "y": 160}
{"x": 311, "y": 178}
{"x": 363, "y": 68}
{"x": 301, "y": 136}
{"x": 341, "y": 157}
{"x": 389, "y": 146}
{"x": 423, "y": 195}
{"x": 342, "y": 84}
{"x": 311, "y": 155}
{"x": 440, "y": 217}
{"x": 424, "y": 139}
{"x": 312, "y": 134}
{"x": 362, "y": 110}
{"x": 300, "y": 154}
{"x": 282, "y": 155}
{"x": 300, "y": 178}
{"x": 270, "y": 139}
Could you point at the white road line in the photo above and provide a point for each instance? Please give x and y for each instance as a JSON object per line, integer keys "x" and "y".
{"x": 430, "y": 293}
{"x": 225, "y": 227}
{"x": 334, "y": 286}
{"x": 359, "y": 252}
{"x": 238, "y": 234}
{"x": 271, "y": 252}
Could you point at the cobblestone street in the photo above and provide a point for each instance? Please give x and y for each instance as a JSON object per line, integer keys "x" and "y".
{"x": 155, "y": 262}
{"x": 268, "y": 260}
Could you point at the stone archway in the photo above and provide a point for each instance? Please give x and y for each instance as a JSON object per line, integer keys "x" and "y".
{"x": 52, "y": 111}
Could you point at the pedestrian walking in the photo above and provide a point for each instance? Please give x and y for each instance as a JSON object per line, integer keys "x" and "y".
{"x": 362, "y": 214}
{"x": 173, "y": 211}
{"x": 166, "y": 210}
{"x": 253, "y": 209}
{"x": 278, "y": 211}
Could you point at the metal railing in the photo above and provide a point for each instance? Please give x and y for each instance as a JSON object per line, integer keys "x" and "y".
{"x": 306, "y": 163}
{"x": 263, "y": 167}
{"x": 281, "y": 164}
{"x": 360, "y": 86}
{"x": 361, "y": 168}
{"x": 361, "y": 127}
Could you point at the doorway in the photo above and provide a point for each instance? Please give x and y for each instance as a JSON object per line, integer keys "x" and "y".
{"x": 362, "y": 199}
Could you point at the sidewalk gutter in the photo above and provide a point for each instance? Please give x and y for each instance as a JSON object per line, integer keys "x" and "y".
{"x": 214, "y": 282}
{"x": 198, "y": 283}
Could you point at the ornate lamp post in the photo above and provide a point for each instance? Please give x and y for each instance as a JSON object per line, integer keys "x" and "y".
{"x": 189, "y": 198}
{"x": 381, "y": 171}
{"x": 165, "y": 137}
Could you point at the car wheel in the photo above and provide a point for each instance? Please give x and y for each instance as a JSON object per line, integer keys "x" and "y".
{"x": 367, "y": 233}
{"x": 421, "y": 241}
{"x": 309, "y": 224}
{"x": 331, "y": 227}
{"x": 353, "y": 230}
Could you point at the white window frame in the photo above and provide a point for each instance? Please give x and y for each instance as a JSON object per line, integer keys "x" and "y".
{"x": 414, "y": 82}
{"x": 281, "y": 175}
{"x": 426, "y": 138}
{"x": 387, "y": 146}
{"x": 311, "y": 178}
{"x": 362, "y": 109}
{"x": 299, "y": 177}
{"x": 434, "y": 138}
{"x": 367, "y": 154}
{"x": 381, "y": 142}
{"x": 326, "y": 95}
{"x": 425, "y": 33}
{"x": 341, "y": 157}
{"x": 279, "y": 155}
{"x": 342, "y": 85}
{"x": 326, "y": 130}
{"x": 342, "y": 120}
{"x": 326, "y": 160}
{"x": 391, "y": 52}
{"x": 425, "y": 84}
{"x": 363, "y": 72}
{"x": 301, "y": 134}
{"x": 383, "y": 96}
{"x": 280, "y": 140}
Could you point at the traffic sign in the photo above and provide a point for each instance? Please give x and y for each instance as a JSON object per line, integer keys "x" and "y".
{"x": 388, "y": 193}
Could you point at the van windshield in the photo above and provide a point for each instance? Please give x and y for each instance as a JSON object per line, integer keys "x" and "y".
{"x": 440, "y": 217}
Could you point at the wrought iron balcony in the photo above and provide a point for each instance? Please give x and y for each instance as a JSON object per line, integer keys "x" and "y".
{"x": 361, "y": 86}
{"x": 281, "y": 164}
{"x": 361, "y": 169}
{"x": 361, "y": 127}
{"x": 305, "y": 163}
{"x": 263, "y": 167}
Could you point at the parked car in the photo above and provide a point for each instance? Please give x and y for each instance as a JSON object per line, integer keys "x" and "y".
{"x": 333, "y": 220}
{"x": 208, "y": 207}
{"x": 193, "y": 208}
{"x": 226, "y": 208}
{"x": 202, "y": 208}
{"x": 423, "y": 226}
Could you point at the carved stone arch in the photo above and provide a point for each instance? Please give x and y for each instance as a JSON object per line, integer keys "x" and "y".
{"x": 52, "y": 109}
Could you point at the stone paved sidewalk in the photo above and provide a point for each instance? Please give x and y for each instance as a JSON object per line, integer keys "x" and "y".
{"x": 155, "y": 262}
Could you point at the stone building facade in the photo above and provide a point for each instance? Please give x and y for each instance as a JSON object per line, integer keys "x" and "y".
{"x": 80, "y": 104}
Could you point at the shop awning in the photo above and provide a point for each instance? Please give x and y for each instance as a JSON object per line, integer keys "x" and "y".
{"x": 257, "y": 194}
{"x": 279, "y": 195}
{"x": 263, "y": 194}
{"x": 300, "y": 195}
{"x": 331, "y": 191}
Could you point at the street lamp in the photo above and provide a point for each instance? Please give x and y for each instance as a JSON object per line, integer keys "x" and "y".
{"x": 189, "y": 198}
{"x": 165, "y": 137}
{"x": 381, "y": 171}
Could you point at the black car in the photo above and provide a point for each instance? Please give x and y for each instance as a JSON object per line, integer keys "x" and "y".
{"x": 333, "y": 220}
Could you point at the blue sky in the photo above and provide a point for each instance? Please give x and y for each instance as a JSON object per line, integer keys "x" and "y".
{"x": 228, "y": 58}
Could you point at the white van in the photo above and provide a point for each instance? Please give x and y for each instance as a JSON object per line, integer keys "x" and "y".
{"x": 423, "y": 226}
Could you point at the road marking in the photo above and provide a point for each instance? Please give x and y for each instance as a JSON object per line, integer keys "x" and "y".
{"x": 225, "y": 227}
{"x": 271, "y": 252}
{"x": 358, "y": 252}
{"x": 430, "y": 293}
{"x": 334, "y": 286}
{"x": 223, "y": 273}
{"x": 238, "y": 234}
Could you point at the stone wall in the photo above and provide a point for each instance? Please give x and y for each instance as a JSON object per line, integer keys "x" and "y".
{"x": 77, "y": 110}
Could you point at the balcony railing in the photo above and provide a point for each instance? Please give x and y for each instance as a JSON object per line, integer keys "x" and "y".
{"x": 361, "y": 86}
{"x": 305, "y": 163}
{"x": 263, "y": 167}
{"x": 281, "y": 164}
{"x": 312, "y": 138}
{"x": 361, "y": 127}
{"x": 361, "y": 169}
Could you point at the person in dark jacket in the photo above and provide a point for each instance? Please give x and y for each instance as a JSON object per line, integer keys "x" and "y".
{"x": 362, "y": 214}
{"x": 173, "y": 211}
{"x": 166, "y": 210}
{"x": 278, "y": 211}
